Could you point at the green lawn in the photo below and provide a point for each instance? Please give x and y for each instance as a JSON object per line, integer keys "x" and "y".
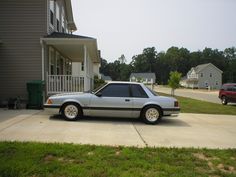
{"x": 38, "y": 159}
{"x": 189, "y": 105}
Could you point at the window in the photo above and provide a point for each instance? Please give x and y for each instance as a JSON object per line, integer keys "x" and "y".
{"x": 57, "y": 16}
{"x": 82, "y": 66}
{"x": 231, "y": 88}
{"x": 138, "y": 92}
{"x": 224, "y": 87}
{"x": 63, "y": 20}
{"x": 201, "y": 74}
{"x": 116, "y": 90}
{"x": 52, "y": 12}
{"x": 58, "y": 64}
{"x": 153, "y": 93}
{"x": 68, "y": 67}
{"x": 234, "y": 89}
{"x": 51, "y": 61}
{"x": 58, "y": 25}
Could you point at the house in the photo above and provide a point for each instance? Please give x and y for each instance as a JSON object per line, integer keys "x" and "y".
{"x": 183, "y": 81}
{"x": 147, "y": 78}
{"x": 203, "y": 76}
{"x": 106, "y": 78}
{"x": 37, "y": 44}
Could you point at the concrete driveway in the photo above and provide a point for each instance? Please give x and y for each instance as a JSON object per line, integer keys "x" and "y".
{"x": 204, "y": 95}
{"x": 186, "y": 130}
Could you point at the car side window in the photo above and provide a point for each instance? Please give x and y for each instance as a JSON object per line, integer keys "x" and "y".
{"x": 234, "y": 89}
{"x": 229, "y": 88}
{"x": 116, "y": 90}
{"x": 138, "y": 92}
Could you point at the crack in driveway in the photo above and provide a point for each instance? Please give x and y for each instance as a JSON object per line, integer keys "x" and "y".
{"x": 139, "y": 134}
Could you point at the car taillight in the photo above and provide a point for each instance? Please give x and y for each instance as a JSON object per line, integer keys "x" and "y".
{"x": 176, "y": 104}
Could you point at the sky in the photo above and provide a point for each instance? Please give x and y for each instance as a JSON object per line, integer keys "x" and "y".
{"x": 128, "y": 26}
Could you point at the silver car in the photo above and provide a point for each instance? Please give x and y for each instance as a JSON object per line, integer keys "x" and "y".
{"x": 115, "y": 99}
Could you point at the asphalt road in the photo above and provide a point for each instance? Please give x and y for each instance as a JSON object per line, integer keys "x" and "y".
{"x": 204, "y": 95}
{"x": 185, "y": 130}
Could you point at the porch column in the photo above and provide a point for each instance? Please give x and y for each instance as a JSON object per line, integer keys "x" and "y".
{"x": 43, "y": 58}
{"x": 85, "y": 70}
{"x": 43, "y": 68}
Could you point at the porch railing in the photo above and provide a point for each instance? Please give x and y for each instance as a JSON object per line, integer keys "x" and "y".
{"x": 64, "y": 84}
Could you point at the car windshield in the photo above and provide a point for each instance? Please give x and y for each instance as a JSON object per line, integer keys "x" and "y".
{"x": 96, "y": 89}
{"x": 153, "y": 92}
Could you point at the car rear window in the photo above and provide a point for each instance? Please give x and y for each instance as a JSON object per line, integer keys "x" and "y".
{"x": 138, "y": 92}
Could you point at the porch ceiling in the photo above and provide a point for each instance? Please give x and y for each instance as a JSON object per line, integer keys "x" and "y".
{"x": 192, "y": 80}
{"x": 73, "y": 48}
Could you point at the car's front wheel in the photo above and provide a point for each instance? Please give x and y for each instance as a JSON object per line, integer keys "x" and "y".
{"x": 224, "y": 100}
{"x": 151, "y": 114}
{"x": 71, "y": 111}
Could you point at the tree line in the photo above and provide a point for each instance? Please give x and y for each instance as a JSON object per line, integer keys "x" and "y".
{"x": 174, "y": 59}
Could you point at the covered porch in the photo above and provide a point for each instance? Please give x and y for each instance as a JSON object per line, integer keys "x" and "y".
{"x": 192, "y": 82}
{"x": 67, "y": 62}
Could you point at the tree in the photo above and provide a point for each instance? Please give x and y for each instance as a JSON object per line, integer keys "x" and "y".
{"x": 174, "y": 80}
{"x": 174, "y": 59}
{"x": 122, "y": 59}
{"x": 146, "y": 61}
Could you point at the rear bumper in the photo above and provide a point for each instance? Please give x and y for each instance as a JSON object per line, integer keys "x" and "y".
{"x": 169, "y": 111}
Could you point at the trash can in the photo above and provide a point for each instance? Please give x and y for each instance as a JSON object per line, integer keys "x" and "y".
{"x": 35, "y": 94}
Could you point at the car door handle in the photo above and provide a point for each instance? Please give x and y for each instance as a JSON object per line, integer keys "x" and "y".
{"x": 127, "y": 100}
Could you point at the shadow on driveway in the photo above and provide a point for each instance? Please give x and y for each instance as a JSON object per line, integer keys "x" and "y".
{"x": 167, "y": 121}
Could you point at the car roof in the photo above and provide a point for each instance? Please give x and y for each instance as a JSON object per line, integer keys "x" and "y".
{"x": 124, "y": 82}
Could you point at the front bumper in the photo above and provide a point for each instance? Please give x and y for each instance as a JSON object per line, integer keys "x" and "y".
{"x": 52, "y": 109}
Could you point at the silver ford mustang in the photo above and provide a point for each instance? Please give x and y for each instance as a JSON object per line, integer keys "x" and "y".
{"x": 115, "y": 99}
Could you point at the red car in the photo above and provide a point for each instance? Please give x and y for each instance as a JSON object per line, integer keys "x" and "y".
{"x": 227, "y": 93}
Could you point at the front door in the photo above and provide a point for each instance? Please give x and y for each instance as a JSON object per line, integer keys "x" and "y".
{"x": 112, "y": 101}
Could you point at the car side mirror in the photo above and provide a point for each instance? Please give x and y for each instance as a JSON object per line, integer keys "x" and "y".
{"x": 99, "y": 94}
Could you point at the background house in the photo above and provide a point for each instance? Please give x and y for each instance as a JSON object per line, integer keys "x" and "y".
{"x": 106, "y": 78}
{"x": 203, "y": 76}
{"x": 38, "y": 44}
{"x": 147, "y": 78}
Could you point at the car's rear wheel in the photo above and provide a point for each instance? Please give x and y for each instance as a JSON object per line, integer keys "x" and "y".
{"x": 71, "y": 111}
{"x": 224, "y": 100}
{"x": 151, "y": 114}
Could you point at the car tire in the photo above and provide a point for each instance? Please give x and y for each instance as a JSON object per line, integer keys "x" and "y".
{"x": 71, "y": 111}
{"x": 224, "y": 100}
{"x": 151, "y": 114}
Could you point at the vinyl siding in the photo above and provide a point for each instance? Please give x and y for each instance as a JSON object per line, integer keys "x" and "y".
{"x": 22, "y": 24}
{"x": 211, "y": 81}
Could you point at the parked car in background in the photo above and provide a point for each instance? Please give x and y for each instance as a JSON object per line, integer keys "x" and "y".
{"x": 227, "y": 93}
{"x": 115, "y": 99}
